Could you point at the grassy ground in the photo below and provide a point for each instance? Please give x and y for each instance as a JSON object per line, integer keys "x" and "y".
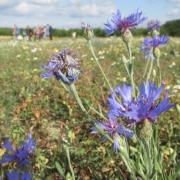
{"x": 30, "y": 103}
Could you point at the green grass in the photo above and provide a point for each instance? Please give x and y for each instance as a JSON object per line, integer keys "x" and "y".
{"x": 30, "y": 103}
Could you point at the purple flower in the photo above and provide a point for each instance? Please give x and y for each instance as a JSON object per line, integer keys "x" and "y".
{"x": 26, "y": 176}
{"x": 155, "y": 41}
{"x": 114, "y": 129}
{"x": 20, "y": 155}
{"x": 153, "y": 25}
{"x": 149, "y": 44}
{"x": 122, "y": 24}
{"x": 15, "y": 175}
{"x": 147, "y": 106}
{"x": 64, "y": 66}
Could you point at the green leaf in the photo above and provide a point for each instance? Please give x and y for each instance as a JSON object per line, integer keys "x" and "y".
{"x": 59, "y": 169}
{"x": 178, "y": 108}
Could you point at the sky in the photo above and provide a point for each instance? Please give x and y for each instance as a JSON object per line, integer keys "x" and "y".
{"x": 71, "y": 13}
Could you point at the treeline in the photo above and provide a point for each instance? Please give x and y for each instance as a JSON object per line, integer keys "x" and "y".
{"x": 5, "y": 31}
{"x": 171, "y": 28}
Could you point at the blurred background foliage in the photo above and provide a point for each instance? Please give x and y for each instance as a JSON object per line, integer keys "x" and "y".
{"x": 170, "y": 28}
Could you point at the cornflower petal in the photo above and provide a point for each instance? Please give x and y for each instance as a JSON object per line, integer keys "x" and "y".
{"x": 114, "y": 130}
{"x": 26, "y": 176}
{"x": 163, "y": 106}
{"x": 19, "y": 155}
{"x": 116, "y": 145}
{"x": 145, "y": 107}
{"x": 149, "y": 44}
{"x": 7, "y": 145}
{"x": 125, "y": 92}
{"x": 63, "y": 66}
{"x": 122, "y": 24}
{"x": 13, "y": 175}
{"x": 153, "y": 25}
{"x": 125, "y": 132}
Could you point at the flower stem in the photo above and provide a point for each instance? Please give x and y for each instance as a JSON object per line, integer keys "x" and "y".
{"x": 159, "y": 71}
{"x": 131, "y": 68}
{"x": 72, "y": 90}
{"x": 149, "y": 163}
{"x": 124, "y": 153}
{"x": 97, "y": 112}
{"x": 69, "y": 162}
{"x": 146, "y": 68}
{"x": 75, "y": 93}
{"x": 64, "y": 86}
{"x": 125, "y": 65}
{"x": 98, "y": 64}
{"x": 150, "y": 70}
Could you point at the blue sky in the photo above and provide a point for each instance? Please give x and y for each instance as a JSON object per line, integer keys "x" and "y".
{"x": 70, "y": 13}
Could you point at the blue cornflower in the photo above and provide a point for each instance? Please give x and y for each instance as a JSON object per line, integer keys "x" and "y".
{"x": 15, "y": 175}
{"x": 123, "y": 24}
{"x": 159, "y": 40}
{"x": 114, "y": 130}
{"x": 153, "y": 25}
{"x": 20, "y": 155}
{"x": 64, "y": 66}
{"x": 150, "y": 44}
{"x": 155, "y": 41}
{"x": 145, "y": 107}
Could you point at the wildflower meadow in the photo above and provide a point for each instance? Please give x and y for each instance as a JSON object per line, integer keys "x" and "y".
{"x": 92, "y": 108}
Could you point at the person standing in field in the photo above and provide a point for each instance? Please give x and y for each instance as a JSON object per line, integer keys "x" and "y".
{"x": 37, "y": 32}
{"x": 46, "y": 31}
{"x": 29, "y": 32}
{"x": 34, "y": 32}
{"x": 50, "y": 32}
{"x": 24, "y": 34}
{"x": 41, "y": 32}
{"x": 16, "y": 32}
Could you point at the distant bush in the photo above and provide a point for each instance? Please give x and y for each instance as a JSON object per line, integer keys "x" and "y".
{"x": 67, "y": 33}
{"x": 140, "y": 32}
{"x": 171, "y": 28}
{"x": 99, "y": 32}
{"x": 5, "y": 31}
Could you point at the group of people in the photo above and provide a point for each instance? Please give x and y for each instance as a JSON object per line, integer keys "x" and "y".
{"x": 36, "y": 33}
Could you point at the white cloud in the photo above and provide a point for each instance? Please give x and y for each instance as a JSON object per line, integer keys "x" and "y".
{"x": 97, "y": 8}
{"x": 175, "y": 1}
{"x": 69, "y": 13}
{"x": 7, "y": 3}
{"x": 44, "y": 2}
{"x": 89, "y": 9}
{"x": 30, "y": 10}
{"x": 60, "y": 13}
{"x": 23, "y": 8}
{"x": 68, "y": 8}
{"x": 174, "y": 12}
{"x": 4, "y": 2}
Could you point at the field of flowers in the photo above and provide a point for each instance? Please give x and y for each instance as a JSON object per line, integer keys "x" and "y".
{"x": 66, "y": 148}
